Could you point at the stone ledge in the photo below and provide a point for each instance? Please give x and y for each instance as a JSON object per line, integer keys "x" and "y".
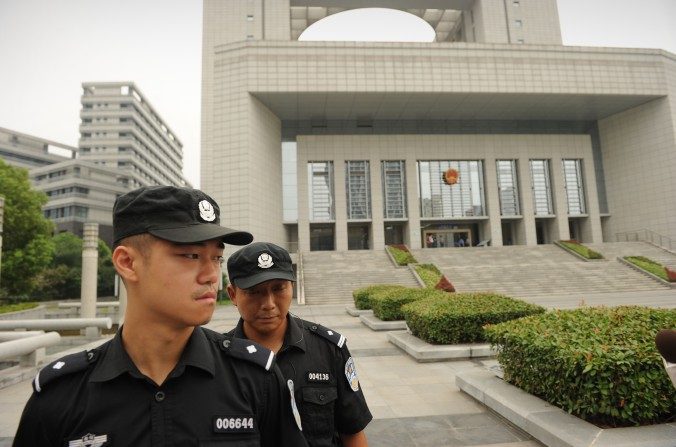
{"x": 351, "y": 310}
{"x": 376, "y": 324}
{"x": 550, "y": 424}
{"x": 422, "y": 351}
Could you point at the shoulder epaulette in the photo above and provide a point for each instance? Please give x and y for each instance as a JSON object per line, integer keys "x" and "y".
{"x": 329, "y": 334}
{"x": 248, "y": 350}
{"x": 62, "y": 367}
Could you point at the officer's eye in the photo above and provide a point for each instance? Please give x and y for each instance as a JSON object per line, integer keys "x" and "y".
{"x": 219, "y": 260}
{"x": 190, "y": 255}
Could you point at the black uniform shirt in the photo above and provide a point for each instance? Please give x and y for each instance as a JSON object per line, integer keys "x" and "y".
{"x": 214, "y": 396}
{"x": 319, "y": 367}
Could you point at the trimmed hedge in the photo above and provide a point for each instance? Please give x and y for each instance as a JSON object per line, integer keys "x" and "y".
{"x": 600, "y": 364}
{"x": 581, "y": 250}
{"x": 429, "y": 273}
{"x": 387, "y": 305}
{"x": 447, "y": 318}
{"x": 363, "y": 297}
{"x": 648, "y": 265}
{"x": 401, "y": 257}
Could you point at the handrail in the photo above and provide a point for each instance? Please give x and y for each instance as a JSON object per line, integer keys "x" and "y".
{"x": 31, "y": 350}
{"x": 57, "y": 324}
{"x": 646, "y": 235}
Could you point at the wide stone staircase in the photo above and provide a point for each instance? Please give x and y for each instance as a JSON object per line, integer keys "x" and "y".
{"x": 330, "y": 276}
{"x": 522, "y": 271}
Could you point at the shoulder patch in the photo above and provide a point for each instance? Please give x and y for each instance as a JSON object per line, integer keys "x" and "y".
{"x": 62, "y": 367}
{"x": 329, "y": 334}
{"x": 248, "y": 350}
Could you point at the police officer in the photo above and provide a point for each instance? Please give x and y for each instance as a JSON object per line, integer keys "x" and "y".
{"x": 328, "y": 401}
{"x": 164, "y": 380}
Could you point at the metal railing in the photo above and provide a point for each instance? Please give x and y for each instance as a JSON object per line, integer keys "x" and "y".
{"x": 28, "y": 347}
{"x": 646, "y": 235}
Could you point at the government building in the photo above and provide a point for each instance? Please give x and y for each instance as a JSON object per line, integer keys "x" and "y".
{"x": 493, "y": 134}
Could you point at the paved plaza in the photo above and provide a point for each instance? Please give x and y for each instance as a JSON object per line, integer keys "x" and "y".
{"x": 413, "y": 404}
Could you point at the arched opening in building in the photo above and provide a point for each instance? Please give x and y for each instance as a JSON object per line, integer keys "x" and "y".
{"x": 370, "y": 25}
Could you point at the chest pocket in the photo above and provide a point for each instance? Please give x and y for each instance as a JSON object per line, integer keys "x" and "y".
{"x": 317, "y": 412}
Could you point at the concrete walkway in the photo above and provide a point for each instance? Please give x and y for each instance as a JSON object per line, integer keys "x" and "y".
{"x": 413, "y": 404}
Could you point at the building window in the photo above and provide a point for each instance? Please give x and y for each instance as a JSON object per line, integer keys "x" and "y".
{"x": 320, "y": 187}
{"x": 508, "y": 188}
{"x": 520, "y": 41}
{"x": 465, "y": 198}
{"x": 358, "y": 189}
{"x": 249, "y": 17}
{"x": 572, "y": 176}
{"x": 541, "y": 185}
{"x": 394, "y": 189}
{"x": 516, "y": 3}
{"x": 518, "y": 23}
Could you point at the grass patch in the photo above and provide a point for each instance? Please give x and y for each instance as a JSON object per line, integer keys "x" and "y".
{"x": 401, "y": 257}
{"x": 648, "y": 265}
{"x": 429, "y": 273}
{"x": 5, "y": 308}
{"x": 581, "y": 250}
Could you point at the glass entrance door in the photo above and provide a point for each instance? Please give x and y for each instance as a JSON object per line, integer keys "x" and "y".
{"x": 460, "y": 237}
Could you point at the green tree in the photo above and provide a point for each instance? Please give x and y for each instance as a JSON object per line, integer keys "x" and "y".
{"x": 26, "y": 246}
{"x": 63, "y": 278}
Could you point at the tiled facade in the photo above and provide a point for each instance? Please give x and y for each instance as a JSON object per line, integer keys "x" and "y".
{"x": 485, "y": 98}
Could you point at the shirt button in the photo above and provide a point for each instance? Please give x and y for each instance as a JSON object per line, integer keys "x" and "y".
{"x": 159, "y": 396}
{"x": 321, "y": 397}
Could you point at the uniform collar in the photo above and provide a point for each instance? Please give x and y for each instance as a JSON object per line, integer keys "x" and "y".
{"x": 116, "y": 361}
{"x": 293, "y": 338}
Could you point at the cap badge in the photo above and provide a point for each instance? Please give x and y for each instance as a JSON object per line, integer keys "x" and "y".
{"x": 265, "y": 261}
{"x": 207, "y": 211}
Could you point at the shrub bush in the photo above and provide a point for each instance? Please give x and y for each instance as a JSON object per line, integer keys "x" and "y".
{"x": 387, "y": 305}
{"x": 649, "y": 266}
{"x": 401, "y": 257}
{"x": 5, "y": 308}
{"x": 362, "y": 297}
{"x": 447, "y": 318}
{"x": 429, "y": 273}
{"x": 600, "y": 364}
{"x": 581, "y": 250}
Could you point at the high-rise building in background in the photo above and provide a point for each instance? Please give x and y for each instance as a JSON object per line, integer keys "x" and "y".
{"x": 120, "y": 129}
{"x": 494, "y": 133}
{"x": 123, "y": 144}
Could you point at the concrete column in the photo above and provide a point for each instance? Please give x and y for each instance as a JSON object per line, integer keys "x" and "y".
{"x": 90, "y": 258}
{"x": 560, "y": 229}
{"x": 2, "y": 214}
{"x": 591, "y": 226}
{"x": 340, "y": 198}
{"x": 413, "y": 203}
{"x": 377, "y": 220}
{"x": 492, "y": 204}
{"x": 122, "y": 306}
{"x": 525, "y": 230}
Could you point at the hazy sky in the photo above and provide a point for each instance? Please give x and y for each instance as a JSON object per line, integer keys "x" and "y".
{"x": 49, "y": 47}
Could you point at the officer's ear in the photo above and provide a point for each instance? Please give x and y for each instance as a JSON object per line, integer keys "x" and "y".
{"x": 231, "y": 289}
{"x": 125, "y": 259}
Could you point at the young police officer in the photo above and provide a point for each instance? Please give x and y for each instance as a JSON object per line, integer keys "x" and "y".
{"x": 163, "y": 379}
{"x": 329, "y": 403}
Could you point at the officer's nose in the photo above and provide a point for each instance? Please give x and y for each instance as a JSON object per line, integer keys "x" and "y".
{"x": 268, "y": 299}
{"x": 210, "y": 272}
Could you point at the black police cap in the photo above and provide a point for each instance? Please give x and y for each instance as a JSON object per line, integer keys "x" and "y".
{"x": 259, "y": 262}
{"x": 182, "y": 215}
